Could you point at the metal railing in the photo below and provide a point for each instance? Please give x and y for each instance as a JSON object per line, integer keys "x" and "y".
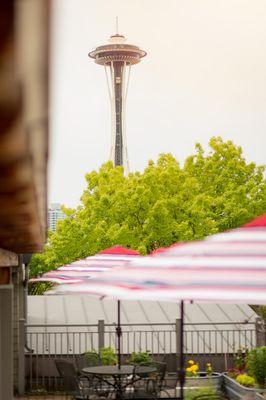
{"x": 199, "y": 338}
{"x": 48, "y": 342}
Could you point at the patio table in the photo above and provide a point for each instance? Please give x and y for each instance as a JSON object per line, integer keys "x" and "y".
{"x": 116, "y": 374}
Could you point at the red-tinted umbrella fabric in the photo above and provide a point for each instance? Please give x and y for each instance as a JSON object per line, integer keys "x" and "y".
{"x": 120, "y": 251}
{"x": 257, "y": 222}
{"x": 89, "y": 267}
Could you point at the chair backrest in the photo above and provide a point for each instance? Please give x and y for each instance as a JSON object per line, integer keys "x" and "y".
{"x": 68, "y": 373}
{"x": 171, "y": 380}
{"x": 87, "y": 360}
{"x": 160, "y": 371}
{"x": 154, "y": 380}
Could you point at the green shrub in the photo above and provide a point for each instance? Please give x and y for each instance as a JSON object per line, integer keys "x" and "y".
{"x": 140, "y": 358}
{"x": 245, "y": 380}
{"x": 256, "y": 365}
{"x": 240, "y": 359}
{"x": 108, "y": 356}
{"x": 92, "y": 357}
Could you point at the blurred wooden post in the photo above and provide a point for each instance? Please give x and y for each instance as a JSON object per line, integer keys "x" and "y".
{"x": 6, "y": 343}
{"x": 178, "y": 344}
{"x": 260, "y": 332}
{"x": 101, "y": 328}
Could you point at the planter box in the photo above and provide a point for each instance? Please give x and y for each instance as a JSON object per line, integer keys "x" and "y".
{"x": 202, "y": 380}
{"x": 235, "y": 391}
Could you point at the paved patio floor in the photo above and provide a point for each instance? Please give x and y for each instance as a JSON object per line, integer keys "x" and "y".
{"x": 44, "y": 397}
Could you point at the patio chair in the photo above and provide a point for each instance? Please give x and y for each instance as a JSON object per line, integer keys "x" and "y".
{"x": 76, "y": 385}
{"x": 92, "y": 360}
{"x": 149, "y": 387}
{"x": 170, "y": 383}
{"x": 87, "y": 360}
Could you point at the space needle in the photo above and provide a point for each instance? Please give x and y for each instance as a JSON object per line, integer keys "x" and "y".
{"x": 117, "y": 57}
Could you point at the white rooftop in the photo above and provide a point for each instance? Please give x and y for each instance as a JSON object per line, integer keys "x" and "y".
{"x": 85, "y": 311}
{"x": 88, "y": 310}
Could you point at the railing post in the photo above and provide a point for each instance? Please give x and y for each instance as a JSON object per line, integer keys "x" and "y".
{"x": 178, "y": 344}
{"x": 101, "y": 327}
{"x": 260, "y": 332}
{"x": 21, "y": 357}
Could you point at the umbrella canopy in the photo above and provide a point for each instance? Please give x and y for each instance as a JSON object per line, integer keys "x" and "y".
{"x": 82, "y": 270}
{"x": 224, "y": 267}
{"x": 230, "y": 266}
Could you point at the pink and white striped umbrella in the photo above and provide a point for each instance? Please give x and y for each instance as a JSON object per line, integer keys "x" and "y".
{"x": 82, "y": 270}
{"x": 225, "y": 267}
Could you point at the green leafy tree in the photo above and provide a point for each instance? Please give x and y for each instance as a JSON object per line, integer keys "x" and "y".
{"x": 256, "y": 364}
{"x": 167, "y": 203}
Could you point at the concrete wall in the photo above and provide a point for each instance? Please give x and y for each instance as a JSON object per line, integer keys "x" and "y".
{"x": 6, "y": 343}
{"x": 18, "y": 314}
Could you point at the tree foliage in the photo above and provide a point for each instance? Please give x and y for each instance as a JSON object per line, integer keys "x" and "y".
{"x": 167, "y": 203}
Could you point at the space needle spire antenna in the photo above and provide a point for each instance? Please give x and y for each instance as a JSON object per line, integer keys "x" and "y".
{"x": 116, "y": 22}
{"x": 117, "y": 57}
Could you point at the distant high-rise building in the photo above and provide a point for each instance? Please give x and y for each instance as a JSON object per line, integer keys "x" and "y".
{"x": 117, "y": 57}
{"x": 55, "y": 214}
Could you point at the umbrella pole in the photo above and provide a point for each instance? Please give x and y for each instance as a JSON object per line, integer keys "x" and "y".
{"x": 182, "y": 376}
{"x": 119, "y": 334}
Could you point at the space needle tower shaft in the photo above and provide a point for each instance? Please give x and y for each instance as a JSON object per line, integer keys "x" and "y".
{"x": 117, "y": 57}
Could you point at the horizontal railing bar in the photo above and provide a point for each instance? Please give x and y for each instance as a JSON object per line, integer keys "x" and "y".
{"x": 139, "y": 324}
{"x": 60, "y": 325}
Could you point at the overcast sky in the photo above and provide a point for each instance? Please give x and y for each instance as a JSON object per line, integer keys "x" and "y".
{"x": 204, "y": 75}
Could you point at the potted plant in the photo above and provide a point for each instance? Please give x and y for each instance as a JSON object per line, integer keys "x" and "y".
{"x": 207, "y": 378}
{"x": 256, "y": 365}
{"x": 141, "y": 357}
{"x": 92, "y": 357}
{"x": 108, "y": 356}
{"x": 248, "y": 377}
{"x": 200, "y": 382}
{"x": 89, "y": 358}
{"x": 204, "y": 392}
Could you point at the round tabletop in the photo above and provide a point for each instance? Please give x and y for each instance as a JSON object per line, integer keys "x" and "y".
{"x": 114, "y": 370}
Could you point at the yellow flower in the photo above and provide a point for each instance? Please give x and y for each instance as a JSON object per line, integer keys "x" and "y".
{"x": 208, "y": 369}
{"x": 192, "y": 369}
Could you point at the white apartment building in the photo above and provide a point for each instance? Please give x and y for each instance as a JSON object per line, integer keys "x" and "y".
{"x": 55, "y": 214}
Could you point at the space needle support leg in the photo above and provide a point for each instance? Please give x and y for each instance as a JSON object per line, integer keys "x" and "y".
{"x": 108, "y": 84}
{"x": 113, "y": 117}
{"x": 127, "y": 84}
{"x": 125, "y": 81}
